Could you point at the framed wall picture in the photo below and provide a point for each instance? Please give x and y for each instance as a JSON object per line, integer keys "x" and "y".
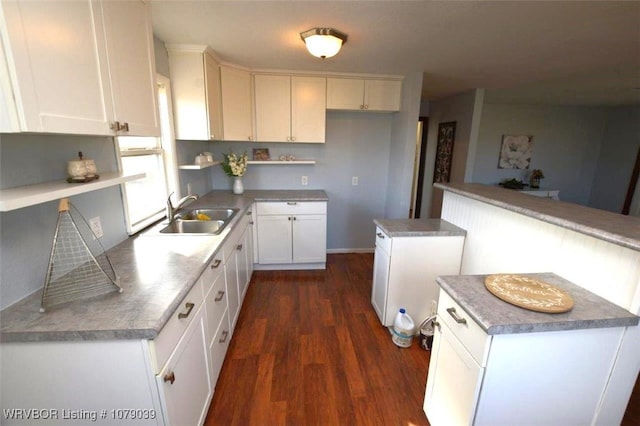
{"x": 515, "y": 152}
{"x": 444, "y": 152}
{"x": 261, "y": 154}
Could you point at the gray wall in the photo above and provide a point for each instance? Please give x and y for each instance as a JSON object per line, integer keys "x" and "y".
{"x": 566, "y": 145}
{"x": 617, "y": 156}
{"x": 403, "y": 146}
{"x": 26, "y": 234}
{"x": 461, "y": 109}
{"x": 357, "y": 144}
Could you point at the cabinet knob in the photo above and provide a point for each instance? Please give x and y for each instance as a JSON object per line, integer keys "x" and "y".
{"x": 454, "y": 315}
{"x": 294, "y": 218}
{"x": 380, "y": 234}
{"x": 239, "y": 247}
{"x": 124, "y": 127}
{"x": 251, "y": 222}
{"x": 219, "y": 297}
{"x": 115, "y": 126}
{"x": 250, "y": 138}
{"x": 366, "y": 107}
{"x": 170, "y": 377}
{"x": 223, "y": 338}
{"x": 216, "y": 263}
{"x": 189, "y": 307}
{"x": 248, "y": 213}
{"x": 361, "y": 106}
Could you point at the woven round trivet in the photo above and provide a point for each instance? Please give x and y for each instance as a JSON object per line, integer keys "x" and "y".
{"x": 529, "y": 293}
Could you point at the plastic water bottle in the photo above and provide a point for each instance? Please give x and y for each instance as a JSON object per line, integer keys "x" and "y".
{"x": 403, "y": 329}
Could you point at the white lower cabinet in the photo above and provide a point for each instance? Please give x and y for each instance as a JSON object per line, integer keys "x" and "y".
{"x": 184, "y": 384}
{"x": 291, "y": 235}
{"x": 552, "y": 378}
{"x": 405, "y": 271}
{"x": 169, "y": 380}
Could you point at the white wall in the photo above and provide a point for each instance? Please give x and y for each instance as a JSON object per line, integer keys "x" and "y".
{"x": 618, "y": 152}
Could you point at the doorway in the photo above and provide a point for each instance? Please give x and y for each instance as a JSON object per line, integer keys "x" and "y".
{"x": 632, "y": 201}
{"x": 418, "y": 168}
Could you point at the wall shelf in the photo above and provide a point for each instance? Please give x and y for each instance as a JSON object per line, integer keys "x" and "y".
{"x": 197, "y": 166}
{"x": 29, "y": 195}
{"x": 292, "y": 162}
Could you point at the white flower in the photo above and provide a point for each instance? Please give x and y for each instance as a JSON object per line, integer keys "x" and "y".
{"x": 235, "y": 165}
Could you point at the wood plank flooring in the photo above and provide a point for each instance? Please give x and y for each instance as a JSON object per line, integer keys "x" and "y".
{"x": 309, "y": 349}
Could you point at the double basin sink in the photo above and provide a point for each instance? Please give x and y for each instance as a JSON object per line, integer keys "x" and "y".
{"x": 200, "y": 221}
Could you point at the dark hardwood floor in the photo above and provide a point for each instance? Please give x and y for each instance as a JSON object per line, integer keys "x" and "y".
{"x": 309, "y": 349}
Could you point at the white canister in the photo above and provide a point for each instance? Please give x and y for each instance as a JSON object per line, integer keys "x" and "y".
{"x": 76, "y": 169}
{"x": 92, "y": 170}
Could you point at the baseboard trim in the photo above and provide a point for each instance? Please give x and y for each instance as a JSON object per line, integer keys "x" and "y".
{"x": 350, "y": 250}
{"x": 288, "y": 266}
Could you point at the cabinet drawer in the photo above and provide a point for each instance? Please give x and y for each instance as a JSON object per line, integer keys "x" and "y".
{"x": 292, "y": 207}
{"x": 233, "y": 241}
{"x": 212, "y": 271}
{"x": 216, "y": 304}
{"x": 173, "y": 330}
{"x": 466, "y": 330}
{"x": 383, "y": 240}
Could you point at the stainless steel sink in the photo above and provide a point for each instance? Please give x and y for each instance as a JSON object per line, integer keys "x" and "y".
{"x": 200, "y": 221}
{"x": 206, "y": 214}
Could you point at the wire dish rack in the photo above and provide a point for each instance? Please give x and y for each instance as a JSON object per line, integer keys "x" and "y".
{"x": 78, "y": 266}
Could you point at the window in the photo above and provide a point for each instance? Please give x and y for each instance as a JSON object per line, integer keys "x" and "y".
{"x": 145, "y": 199}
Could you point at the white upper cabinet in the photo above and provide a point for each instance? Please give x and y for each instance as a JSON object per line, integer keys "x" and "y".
{"x": 237, "y": 99}
{"x": 129, "y": 41}
{"x": 290, "y": 108}
{"x": 364, "y": 94}
{"x": 79, "y": 67}
{"x": 195, "y": 82}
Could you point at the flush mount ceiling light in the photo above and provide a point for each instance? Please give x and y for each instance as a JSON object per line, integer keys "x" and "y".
{"x": 323, "y": 42}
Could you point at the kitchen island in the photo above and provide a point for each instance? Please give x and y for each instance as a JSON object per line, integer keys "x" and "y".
{"x": 148, "y": 355}
{"x": 509, "y": 232}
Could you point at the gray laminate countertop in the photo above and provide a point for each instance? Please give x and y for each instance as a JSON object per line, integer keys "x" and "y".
{"x": 496, "y": 316}
{"x": 612, "y": 227}
{"x": 418, "y": 228}
{"x": 156, "y": 272}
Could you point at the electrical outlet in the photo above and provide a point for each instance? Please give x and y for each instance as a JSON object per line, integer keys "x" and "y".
{"x": 434, "y": 307}
{"x": 305, "y": 180}
{"x": 354, "y": 181}
{"x": 188, "y": 188}
{"x": 96, "y": 226}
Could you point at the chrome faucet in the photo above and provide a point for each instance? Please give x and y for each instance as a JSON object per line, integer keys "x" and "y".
{"x": 171, "y": 210}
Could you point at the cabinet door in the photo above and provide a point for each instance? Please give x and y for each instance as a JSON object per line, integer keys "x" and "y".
{"x": 309, "y": 238}
{"x": 243, "y": 267}
{"x": 273, "y": 108}
{"x": 236, "y": 104}
{"x": 129, "y": 41}
{"x": 381, "y": 262}
{"x": 453, "y": 382}
{"x": 54, "y": 71}
{"x": 188, "y": 94}
{"x": 233, "y": 303}
{"x": 274, "y": 239}
{"x": 345, "y": 93}
{"x": 382, "y": 95}
{"x": 308, "y": 109}
{"x": 184, "y": 383}
{"x": 214, "y": 106}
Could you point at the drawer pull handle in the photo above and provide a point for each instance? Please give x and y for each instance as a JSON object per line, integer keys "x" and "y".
{"x": 216, "y": 263}
{"x": 380, "y": 234}
{"x": 436, "y": 324}
{"x": 289, "y": 218}
{"x": 291, "y": 203}
{"x": 189, "y": 307}
{"x": 219, "y": 297}
{"x": 239, "y": 247}
{"x": 170, "y": 377}
{"x": 454, "y": 315}
{"x": 250, "y": 222}
{"x": 223, "y": 339}
{"x": 248, "y": 213}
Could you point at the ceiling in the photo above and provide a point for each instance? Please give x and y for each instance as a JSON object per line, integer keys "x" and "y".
{"x": 573, "y": 53}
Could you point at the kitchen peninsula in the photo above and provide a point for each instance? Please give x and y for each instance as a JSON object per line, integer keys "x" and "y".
{"x": 509, "y": 232}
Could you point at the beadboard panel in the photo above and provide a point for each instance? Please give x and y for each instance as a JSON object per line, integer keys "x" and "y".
{"x": 500, "y": 241}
